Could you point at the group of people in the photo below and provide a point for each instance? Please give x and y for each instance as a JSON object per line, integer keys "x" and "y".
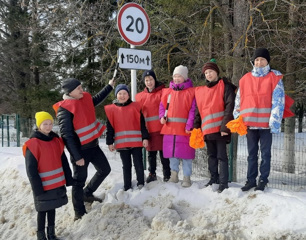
{"x": 160, "y": 120}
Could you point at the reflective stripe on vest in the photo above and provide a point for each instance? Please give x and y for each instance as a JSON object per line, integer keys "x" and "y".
{"x": 153, "y": 118}
{"x": 128, "y": 137}
{"x": 214, "y": 124}
{"x": 256, "y": 115}
{"x": 95, "y": 128}
{"x": 180, "y": 120}
{"x": 256, "y": 110}
{"x": 50, "y": 174}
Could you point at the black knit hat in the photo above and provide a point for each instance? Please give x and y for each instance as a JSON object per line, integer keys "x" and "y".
{"x": 121, "y": 87}
{"x": 70, "y": 84}
{"x": 211, "y": 65}
{"x": 261, "y": 52}
{"x": 148, "y": 73}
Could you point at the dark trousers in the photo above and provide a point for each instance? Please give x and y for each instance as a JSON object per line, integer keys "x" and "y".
{"x": 216, "y": 151}
{"x": 264, "y": 137}
{"x": 41, "y": 219}
{"x": 126, "y": 158}
{"x": 98, "y": 159}
{"x": 164, "y": 161}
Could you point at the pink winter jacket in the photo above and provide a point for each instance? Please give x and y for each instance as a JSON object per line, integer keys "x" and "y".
{"x": 177, "y": 146}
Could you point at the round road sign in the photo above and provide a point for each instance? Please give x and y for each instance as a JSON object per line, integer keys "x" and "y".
{"x": 133, "y": 24}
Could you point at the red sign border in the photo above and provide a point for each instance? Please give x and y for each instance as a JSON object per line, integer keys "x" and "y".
{"x": 120, "y": 13}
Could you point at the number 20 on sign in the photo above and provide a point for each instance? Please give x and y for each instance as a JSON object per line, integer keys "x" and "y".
{"x": 133, "y": 24}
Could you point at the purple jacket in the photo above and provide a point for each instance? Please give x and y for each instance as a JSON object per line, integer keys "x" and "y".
{"x": 177, "y": 146}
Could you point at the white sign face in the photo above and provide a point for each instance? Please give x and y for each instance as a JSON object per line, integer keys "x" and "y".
{"x": 131, "y": 58}
{"x": 133, "y": 24}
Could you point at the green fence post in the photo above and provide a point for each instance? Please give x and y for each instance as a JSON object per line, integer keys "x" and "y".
{"x": 18, "y": 129}
{"x": 8, "y": 129}
{"x": 144, "y": 158}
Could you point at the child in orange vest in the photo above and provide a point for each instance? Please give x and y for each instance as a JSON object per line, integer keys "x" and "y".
{"x": 149, "y": 99}
{"x": 127, "y": 133}
{"x": 260, "y": 101}
{"x": 176, "y": 113}
{"x": 215, "y": 103}
{"x": 48, "y": 171}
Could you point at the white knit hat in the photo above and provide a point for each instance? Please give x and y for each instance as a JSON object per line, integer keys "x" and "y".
{"x": 182, "y": 70}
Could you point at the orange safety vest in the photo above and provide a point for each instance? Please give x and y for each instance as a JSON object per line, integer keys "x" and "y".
{"x": 256, "y": 98}
{"x": 211, "y": 107}
{"x": 84, "y": 121}
{"x": 149, "y": 103}
{"x": 48, "y": 156}
{"x": 126, "y": 123}
{"x": 178, "y": 111}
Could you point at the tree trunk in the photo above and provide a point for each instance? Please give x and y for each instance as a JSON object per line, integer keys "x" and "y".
{"x": 211, "y": 29}
{"x": 289, "y": 139}
{"x": 227, "y": 40}
{"x": 235, "y": 27}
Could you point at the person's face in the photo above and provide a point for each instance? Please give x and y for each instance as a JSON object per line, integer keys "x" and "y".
{"x": 211, "y": 75}
{"x": 260, "y": 62}
{"x": 122, "y": 96}
{"x": 177, "y": 79}
{"x": 149, "y": 82}
{"x": 46, "y": 126}
{"x": 77, "y": 93}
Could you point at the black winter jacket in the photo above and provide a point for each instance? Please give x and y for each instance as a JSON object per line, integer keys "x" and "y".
{"x": 110, "y": 132}
{"x": 54, "y": 198}
{"x": 65, "y": 121}
{"x": 229, "y": 103}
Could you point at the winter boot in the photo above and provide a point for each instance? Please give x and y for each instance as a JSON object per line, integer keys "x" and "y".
{"x": 78, "y": 216}
{"x": 91, "y": 198}
{"x": 166, "y": 178}
{"x": 212, "y": 181}
{"x": 261, "y": 186}
{"x": 222, "y": 186}
{"x": 152, "y": 177}
{"x": 41, "y": 235}
{"x": 186, "y": 181}
{"x": 248, "y": 185}
{"x": 51, "y": 233}
{"x": 174, "y": 177}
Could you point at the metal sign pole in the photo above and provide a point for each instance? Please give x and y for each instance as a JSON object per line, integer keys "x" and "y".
{"x": 133, "y": 82}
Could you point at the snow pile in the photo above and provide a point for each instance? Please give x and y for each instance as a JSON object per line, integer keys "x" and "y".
{"x": 158, "y": 211}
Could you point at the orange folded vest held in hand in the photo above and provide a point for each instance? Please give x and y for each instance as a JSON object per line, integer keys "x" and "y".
{"x": 196, "y": 139}
{"x": 237, "y": 126}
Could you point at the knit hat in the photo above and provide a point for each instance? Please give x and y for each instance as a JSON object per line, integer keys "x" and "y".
{"x": 211, "y": 65}
{"x": 70, "y": 84}
{"x": 181, "y": 70}
{"x": 261, "y": 52}
{"x": 42, "y": 116}
{"x": 148, "y": 73}
{"x": 121, "y": 87}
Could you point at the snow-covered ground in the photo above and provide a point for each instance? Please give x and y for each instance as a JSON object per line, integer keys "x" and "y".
{"x": 158, "y": 211}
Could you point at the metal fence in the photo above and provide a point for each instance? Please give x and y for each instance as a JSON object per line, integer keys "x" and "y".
{"x": 279, "y": 178}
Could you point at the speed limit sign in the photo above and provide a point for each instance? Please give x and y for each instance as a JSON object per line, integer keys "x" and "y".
{"x": 133, "y": 24}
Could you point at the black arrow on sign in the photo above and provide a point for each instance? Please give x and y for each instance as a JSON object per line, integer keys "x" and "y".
{"x": 122, "y": 58}
{"x": 148, "y": 60}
